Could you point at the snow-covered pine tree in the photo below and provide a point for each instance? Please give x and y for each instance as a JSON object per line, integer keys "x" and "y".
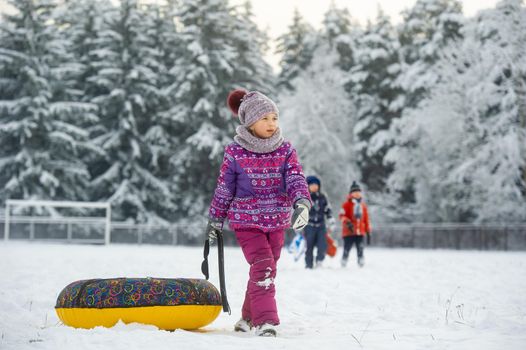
{"x": 336, "y": 22}
{"x": 469, "y": 163}
{"x": 165, "y": 48}
{"x": 252, "y": 71}
{"x": 41, "y": 120}
{"x": 441, "y": 194}
{"x": 498, "y": 165}
{"x": 296, "y": 48}
{"x": 162, "y": 30}
{"x": 318, "y": 114}
{"x": 377, "y": 99}
{"x": 499, "y": 26}
{"x": 468, "y": 168}
{"x": 128, "y": 65}
{"x": 206, "y": 71}
{"x": 341, "y": 32}
{"x": 339, "y": 26}
{"x": 317, "y": 118}
{"x": 428, "y": 28}
{"x": 81, "y": 22}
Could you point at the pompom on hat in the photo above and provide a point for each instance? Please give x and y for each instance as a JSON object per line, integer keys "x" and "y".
{"x": 250, "y": 106}
{"x": 234, "y": 99}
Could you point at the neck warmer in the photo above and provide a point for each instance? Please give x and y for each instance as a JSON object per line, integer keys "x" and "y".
{"x": 357, "y": 208}
{"x": 255, "y": 144}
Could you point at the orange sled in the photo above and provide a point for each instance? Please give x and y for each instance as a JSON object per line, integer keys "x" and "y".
{"x": 331, "y": 246}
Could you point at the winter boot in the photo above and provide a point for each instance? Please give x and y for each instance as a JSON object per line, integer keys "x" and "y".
{"x": 243, "y": 325}
{"x": 361, "y": 261}
{"x": 319, "y": 263}
{"x": 344, "y": 262}
{"x": 266, "y": 330}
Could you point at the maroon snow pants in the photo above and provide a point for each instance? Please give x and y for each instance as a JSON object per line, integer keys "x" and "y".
{"x": 262, "y": 251}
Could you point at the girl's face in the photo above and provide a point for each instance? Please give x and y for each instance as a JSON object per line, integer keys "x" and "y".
{"x": 356, "y": 194}
{"x": 266, "y": 126}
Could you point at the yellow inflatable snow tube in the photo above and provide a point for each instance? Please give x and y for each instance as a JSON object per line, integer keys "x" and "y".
{"x": 165, "y": 303}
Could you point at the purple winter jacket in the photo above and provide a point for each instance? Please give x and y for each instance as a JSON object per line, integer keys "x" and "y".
{"x": 257, "y": 190}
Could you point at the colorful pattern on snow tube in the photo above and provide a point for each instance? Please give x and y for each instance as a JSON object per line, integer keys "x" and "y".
{"x": 134, "y": 292}
{"x": 165, "y": 303}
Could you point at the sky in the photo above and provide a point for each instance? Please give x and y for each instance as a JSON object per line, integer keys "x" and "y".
{"x": 274, "y": 16}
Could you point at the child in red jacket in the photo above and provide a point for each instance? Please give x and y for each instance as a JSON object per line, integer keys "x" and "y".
{"x": 355, "y": 224}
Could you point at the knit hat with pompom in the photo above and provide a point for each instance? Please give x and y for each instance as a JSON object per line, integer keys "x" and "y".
{"x": 250, "y": 106}
{"x": 355, "y": 187}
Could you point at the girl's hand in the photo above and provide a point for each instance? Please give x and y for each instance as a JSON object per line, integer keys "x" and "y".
{"x": 213, "y": 230}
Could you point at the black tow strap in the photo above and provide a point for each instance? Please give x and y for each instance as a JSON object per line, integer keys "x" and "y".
{"x": 221, "y": 263}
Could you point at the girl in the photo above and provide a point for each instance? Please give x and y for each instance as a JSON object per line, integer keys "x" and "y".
{"x": 260, "y": 181}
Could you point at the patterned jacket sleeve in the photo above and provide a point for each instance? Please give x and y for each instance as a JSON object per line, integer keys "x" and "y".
{"x": 295, "y": 182}
{"x": 225, "y": 189}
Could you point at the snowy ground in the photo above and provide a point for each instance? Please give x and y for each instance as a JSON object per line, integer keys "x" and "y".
{"x": 401, "y": 299}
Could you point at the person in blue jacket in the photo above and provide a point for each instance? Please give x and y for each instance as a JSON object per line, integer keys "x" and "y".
{"x": 320, "y": 218}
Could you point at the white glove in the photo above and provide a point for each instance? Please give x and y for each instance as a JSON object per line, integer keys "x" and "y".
{"x": 332, "y": 225}
{"x": 213, "y": 230}
{"x": 300, "y": 217}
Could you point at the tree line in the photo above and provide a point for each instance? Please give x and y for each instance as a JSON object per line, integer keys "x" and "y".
{"x": 126, "y": 103}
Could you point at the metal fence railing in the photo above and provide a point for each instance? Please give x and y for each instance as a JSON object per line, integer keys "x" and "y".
{"x": 428, "y": 236}
{"x": 451, "y": 236}
{"x": 92, "y": 230}
{"x": 79, "y": 229}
